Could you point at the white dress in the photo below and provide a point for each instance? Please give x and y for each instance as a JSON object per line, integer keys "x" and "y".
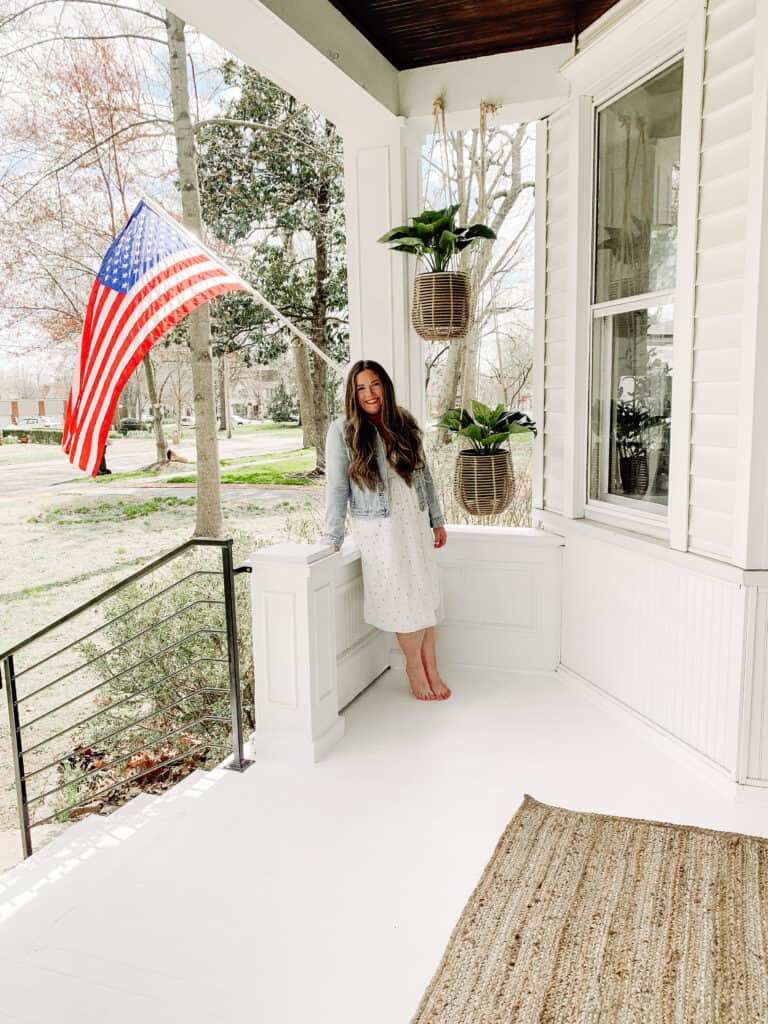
{"x": 400, "y": 579}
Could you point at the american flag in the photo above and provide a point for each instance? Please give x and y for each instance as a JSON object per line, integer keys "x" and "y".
{"x": 152, "y": 276}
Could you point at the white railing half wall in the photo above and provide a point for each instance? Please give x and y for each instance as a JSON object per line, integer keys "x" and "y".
{"x": 314, "y": 653}
{"x": 501, "y": 600}
{"x": 679, "y": 641}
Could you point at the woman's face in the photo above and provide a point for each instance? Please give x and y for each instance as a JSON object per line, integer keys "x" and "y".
{"x": 369, "y": 392}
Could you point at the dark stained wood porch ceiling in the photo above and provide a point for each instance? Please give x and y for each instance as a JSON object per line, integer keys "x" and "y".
{"x": 413, "y": 33}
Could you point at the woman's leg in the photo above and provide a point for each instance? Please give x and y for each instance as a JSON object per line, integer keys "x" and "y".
{"x": 429, "y": 661}
{"x": 410, "y": 645}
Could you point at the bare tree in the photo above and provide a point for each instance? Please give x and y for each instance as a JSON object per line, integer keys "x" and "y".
{"x": 43, "y": 195}
{"x": 492, "y": 187}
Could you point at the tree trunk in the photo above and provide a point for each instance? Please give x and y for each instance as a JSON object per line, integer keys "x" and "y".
{"x": 225, "y": 413}
{"x": 319, "y": 314}
{"x": 228, "y": 394}
{"x": 449, "y": 386}
{"x": 209, "y": 522}
{"x": 303, "y": 374}
{"x": 161, "y": 448}
{"x": 469, "y": 381}
{"x": 304, "y": 384}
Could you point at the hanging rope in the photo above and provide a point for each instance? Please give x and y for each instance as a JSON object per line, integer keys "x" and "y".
{"x": 486, "y": 109}
{"x": 439, "y": 130}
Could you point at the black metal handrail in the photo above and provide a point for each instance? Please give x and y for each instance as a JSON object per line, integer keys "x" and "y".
{"x": 10, "y": 675}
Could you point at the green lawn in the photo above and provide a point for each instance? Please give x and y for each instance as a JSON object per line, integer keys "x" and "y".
{"x": 265, "y": 470}
{"x": 240, "y": 460}
{"x": 260, "y": 428}
{"x": 133, "y": 475}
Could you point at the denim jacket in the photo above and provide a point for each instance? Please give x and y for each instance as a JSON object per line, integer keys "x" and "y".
{"x": 363, "y": 502}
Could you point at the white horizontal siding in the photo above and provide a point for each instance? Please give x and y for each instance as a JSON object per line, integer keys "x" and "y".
{"x": 555, "y": 322}
{"x": 715, "y": 364}
{"x": 720, "y": 266}
{"x": 725, "y": 191}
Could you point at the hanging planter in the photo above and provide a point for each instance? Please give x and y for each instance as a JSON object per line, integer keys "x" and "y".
{"x": 442, "y": 307}
{"x": 484, "y": 485}
{"x": 483, "y": 481}
{"x": 442, "y": 299}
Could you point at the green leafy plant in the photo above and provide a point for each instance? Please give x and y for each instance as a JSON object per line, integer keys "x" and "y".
{"x": 632, "y": 423}
{"x": 434, "y": 238}
{"x": 487, "y": 429}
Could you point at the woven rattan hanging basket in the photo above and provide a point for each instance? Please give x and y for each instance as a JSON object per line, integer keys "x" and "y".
{"x": 484, "y": 484}
{"x": 441, "y": 309}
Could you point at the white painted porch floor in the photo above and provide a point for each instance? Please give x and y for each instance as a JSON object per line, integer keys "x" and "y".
{"x": 323, "y": 893}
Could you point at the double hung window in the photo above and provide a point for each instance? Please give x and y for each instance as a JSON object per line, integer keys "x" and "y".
{"x": 635, "y": 249}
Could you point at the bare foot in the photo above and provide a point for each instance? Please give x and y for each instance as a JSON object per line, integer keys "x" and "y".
{"x": 419, "y": 683}
{"x": 437, "y": 684}
{"x": 439, "y": 687}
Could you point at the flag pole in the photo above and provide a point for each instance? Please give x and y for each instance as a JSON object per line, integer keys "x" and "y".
{"x": 341, "y": 370}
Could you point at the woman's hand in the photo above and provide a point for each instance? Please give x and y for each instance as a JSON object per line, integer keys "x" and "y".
{"x": 440, "y": 536}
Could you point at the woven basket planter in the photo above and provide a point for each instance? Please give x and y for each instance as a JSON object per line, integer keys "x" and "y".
{"x": 633, "y": 472}
{"x": 484, "y": 484}
{"x": 441, "y": 306}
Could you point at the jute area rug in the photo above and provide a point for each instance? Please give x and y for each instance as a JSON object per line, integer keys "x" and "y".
{"x": 590, "y": 919}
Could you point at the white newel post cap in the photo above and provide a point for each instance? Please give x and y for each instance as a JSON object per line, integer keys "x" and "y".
{"x": 294, "y": 651}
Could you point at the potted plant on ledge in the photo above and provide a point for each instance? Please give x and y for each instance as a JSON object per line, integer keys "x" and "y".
{"x": 484, "y": 478}
{"x": 442, "y": 304}
{"x": 632, "y": 423}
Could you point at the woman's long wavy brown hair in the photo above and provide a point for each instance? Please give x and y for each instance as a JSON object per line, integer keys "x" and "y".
{"x": 399, "y": 431}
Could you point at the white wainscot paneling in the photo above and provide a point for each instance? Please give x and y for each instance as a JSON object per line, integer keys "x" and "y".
{"x": 362, "y": 652}
{"x": 663, "y": 639}
{"x": 501, "y": 598}
{"x": 756, "y": 768}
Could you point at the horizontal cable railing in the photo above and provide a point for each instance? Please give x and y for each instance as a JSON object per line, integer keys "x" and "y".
{"x": 142, "y": 697}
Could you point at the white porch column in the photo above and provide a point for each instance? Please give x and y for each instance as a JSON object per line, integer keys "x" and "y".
{"x": 381, "y": 167}
{"x": 294, "y": 651}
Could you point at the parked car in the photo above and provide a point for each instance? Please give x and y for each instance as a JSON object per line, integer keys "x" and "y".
{"x": 187, "y": 421}
{"x": 36, "y": 422}
{"x": 128, "y": 423}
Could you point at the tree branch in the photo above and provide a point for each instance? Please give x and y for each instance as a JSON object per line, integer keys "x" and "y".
{"x": 85, "y": 152}
{"x": 97, "y": 3}
{"x": 77, "y": 39}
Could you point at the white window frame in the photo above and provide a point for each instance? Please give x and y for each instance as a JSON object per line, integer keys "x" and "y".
{"x": 652, "y": 517}
{"x": 630, "y": 44}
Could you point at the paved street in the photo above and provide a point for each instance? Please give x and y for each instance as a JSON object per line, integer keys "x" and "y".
{"x": 51, "y": 473}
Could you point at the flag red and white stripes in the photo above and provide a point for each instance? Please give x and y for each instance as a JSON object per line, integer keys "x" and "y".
{"x": 152, "y": 276}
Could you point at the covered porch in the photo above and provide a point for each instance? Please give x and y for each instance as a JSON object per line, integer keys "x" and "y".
{"x": 662, "y": 595}
{"x": 610, "y": 659}
{"x": 324, "y": 892}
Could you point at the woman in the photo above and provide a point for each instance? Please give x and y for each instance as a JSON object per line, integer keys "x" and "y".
{"x": 375, "y": 462}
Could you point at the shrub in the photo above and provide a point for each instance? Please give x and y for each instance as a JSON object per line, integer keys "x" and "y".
{"x": 283, "y": 407}
{"x": 129, "y": 425}
{"x": 161, "y": 675}
{"x": 36, "y": 435}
